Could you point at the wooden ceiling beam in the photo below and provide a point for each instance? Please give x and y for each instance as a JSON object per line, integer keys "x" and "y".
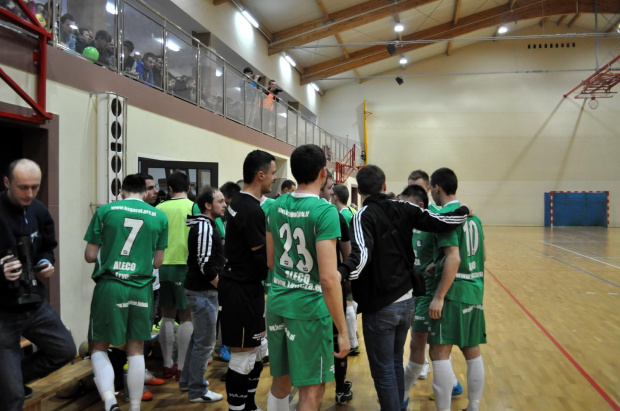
{"x": 528, "y": 9}
{"x": 449, "y": 49}
{"x": 340, "y": 21}
{"x": 573, "y": 20}
{"x": 543, "y": 21}
{"x": 218, "y": 2}
{"x": 561, "y": 19}
{"x": 457, "y": 10}
{"x": 344, "y": 49}
{"x": 512, "y": 4}
{"x": 323, "y": 10}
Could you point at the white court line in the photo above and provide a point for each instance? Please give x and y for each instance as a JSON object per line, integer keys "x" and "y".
{"x": 581, "y": 255}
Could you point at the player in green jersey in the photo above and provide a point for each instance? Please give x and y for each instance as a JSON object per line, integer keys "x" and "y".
{"x": 126, "y": 240}
{"x": 302, "y": 231}
{"x": 456, "y": 311}
{"x": 418, "y": 366}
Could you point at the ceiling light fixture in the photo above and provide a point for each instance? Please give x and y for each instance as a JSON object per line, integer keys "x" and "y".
{"x": 289, "y": 59}
{"x": 399, "y": 27}
{"x": 403, "y": 60}
{"x": 315, "y": 87}
{"x": 250, "y": 18}
{"x": 502, "y": 29}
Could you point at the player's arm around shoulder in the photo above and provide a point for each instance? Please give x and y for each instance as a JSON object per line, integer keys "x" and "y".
{"x": 332, "y": 292}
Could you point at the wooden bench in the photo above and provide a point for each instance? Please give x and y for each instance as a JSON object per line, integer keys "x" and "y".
{"x": 56, "y": 381}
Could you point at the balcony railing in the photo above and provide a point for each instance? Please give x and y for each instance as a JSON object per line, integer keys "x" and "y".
{"x": 128, "y": 36}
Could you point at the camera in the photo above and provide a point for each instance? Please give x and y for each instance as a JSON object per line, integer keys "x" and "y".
{"x": 27, "y": 281}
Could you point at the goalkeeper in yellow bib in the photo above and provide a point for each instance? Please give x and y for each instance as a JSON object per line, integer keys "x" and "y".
{"x": 456, "y": 310}
{"x": 126, "y": 240}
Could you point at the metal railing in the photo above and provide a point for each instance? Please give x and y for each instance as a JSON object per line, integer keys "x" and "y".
{"x": 189, "y": 69}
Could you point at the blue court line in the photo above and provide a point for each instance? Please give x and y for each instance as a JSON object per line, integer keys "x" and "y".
{"x": 570, "y": 265}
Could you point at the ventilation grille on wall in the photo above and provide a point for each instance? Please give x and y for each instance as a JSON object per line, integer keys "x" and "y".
{"x": 537, "y": 46}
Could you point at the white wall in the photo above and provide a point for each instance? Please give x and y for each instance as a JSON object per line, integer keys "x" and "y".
{"x": 509, "y": 137}
{"x": 228, "y": 24}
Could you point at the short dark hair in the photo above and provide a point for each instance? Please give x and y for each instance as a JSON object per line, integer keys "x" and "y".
{"x": 248, "y": 70}
{"x": 206, "y": 196}
{"x": 370, "y": 179}
{"x": 255, "y": 161}
{"x": 416, "y": 191}
{"x": 81, "y": 30}
{"x": 306, "y": 163}
{"x": 147, "y": 55}
{"x": 103, "y": 35}
{"x": 134, "y": 183}
{"x": 178, "y": 181}
{"x": 287, "y": 184}
{"x": 230, "y": 189}
{"x": 129, "y": 45}
{"x": 147, "y": 177}
{"x": 66, "y": 17}
{"x": 341, "y": 192}
{"x": 446, "y": 179}
{"x": 417, "y": 174}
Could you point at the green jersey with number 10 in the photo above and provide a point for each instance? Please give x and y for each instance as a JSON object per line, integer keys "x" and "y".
{"x": 468, "y": 286}
{"x": 296, "y": 223}
{"x": 129, "y": 231}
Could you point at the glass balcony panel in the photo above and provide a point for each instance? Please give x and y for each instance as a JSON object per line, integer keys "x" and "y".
{"x": 253, "y": 104}
{"x": 269, "y": 116}
{"x": 94, "y": 25}
{"x": 182, "y": 66}
{"x": 281, "y": 121}
{"x": 143, "y": 48}
{"x": 291, "y": 119}
{"x": 212, "y": 82}
{"x": 235, "y": 91}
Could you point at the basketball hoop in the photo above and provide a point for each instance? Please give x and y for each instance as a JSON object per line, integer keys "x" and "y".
{"x": 599, "y": 84}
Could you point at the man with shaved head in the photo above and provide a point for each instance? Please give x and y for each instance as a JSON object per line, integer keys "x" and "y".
{"x": 26, "y": 223}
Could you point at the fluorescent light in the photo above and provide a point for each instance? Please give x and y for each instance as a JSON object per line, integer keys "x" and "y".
{"x": 171, "y": 45}
{"x": 315, "y": 87}
{"x": 399, "y": 27}
{"x": 218, "y": 72}
{"x": 502, "y": 29}
{"x": 282, "y": 114}
{"x": 618, "y": 28}
{"x": 111, "y": 8}
{"x": 249, "y": 18}
{"x": 73, "y": 26}
{"x": 289, "y": 59}
{"x": 403, "y": 60}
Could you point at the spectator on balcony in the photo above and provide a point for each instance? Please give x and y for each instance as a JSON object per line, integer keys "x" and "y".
{"x": 83, "y": 39}
{"x": 66, "y": 32}
{"x": 187, "y": 91}
{"x": 144, "y": 68}
{"x": 172, "y": 81}
{"x": 105, "y": 46}
{"x": 129, "y": 61}
{"x": 158, "y": 71}
{"x": 12, "y": 7}
{"x": 44, "y": 15}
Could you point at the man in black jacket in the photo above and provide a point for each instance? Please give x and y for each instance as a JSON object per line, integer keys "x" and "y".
{"x": 381, "y": 267}
{"x": 205, "y": 261}
{"x": 22, "y": 216}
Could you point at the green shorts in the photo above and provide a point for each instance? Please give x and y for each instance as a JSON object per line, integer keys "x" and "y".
{"x": 301, "y": 349}
{"x": 120, "y": 312}
{"x": 172, "y": 294}
{"x": 460, "y": 324}
{"x": 172, "y": 290}
{"x": 421, "y": 319}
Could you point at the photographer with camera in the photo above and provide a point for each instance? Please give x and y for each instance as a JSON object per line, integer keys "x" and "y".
{"x": 27, "y": 242}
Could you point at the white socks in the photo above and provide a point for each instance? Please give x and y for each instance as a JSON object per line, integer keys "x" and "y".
{"x": 104, "y": 377}
{"x": 351, "y": 320}
{"x": 442, "y": 384}
{"x": 184, "y": 334}
{"x": 277, "y": 404}
{"x": 135, "y": 380}
{"x": 475, "y": 382}
{"x": 412, "y": 372}
{"x": 166, "y": 339}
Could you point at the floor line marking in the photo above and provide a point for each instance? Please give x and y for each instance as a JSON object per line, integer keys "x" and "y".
{"x": 559, "y": 346}
{"x": 570, "y": 265}
{"x": 581, "y": 255}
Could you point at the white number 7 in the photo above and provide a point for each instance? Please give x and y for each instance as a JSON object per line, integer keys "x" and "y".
{"x": 135, "y": 225}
